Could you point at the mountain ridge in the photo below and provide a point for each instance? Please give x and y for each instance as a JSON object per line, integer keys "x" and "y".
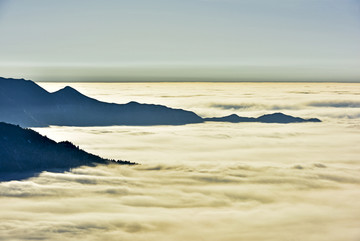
{"x": 25, "y": 103}
{"x": 25, "y": 152}
{"x": 277, "y": 117}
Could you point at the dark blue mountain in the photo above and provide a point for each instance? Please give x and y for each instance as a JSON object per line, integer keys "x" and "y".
{"x": 25, "y": 103}
{"x": 270, "y": 118}
{"x": 231, "y": 118}
{"x": 282, "y": 118}
{"x": 24, "y": 152}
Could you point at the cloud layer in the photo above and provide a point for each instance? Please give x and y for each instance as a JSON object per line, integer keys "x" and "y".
{"x": 178, "y": 202}
{"x": 328, "y": 101}
{"x": 211, "y": 181}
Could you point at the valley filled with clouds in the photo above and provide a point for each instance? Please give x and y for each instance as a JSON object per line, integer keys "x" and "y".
{"x": 208, "y": 181}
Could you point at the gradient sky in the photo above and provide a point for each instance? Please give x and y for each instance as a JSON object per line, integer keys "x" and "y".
{"x": 172, "y": 40}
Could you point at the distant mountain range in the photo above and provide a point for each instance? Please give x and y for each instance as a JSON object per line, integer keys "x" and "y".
{"x": 25, "y": 152}
{"x": 271, "y": 118}
{"x": 25, "y": 103}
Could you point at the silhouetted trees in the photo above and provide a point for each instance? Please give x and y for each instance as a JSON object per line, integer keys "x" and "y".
{"x": 26, "y": 150}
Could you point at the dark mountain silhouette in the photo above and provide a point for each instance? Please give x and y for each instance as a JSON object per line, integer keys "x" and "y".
{"x": 282, "y": 118}
{"x": 231, "y": 118}
{"x": 270, "y": 118}
{"x": 24, "y": 152}
{"x": 25, "y": 103}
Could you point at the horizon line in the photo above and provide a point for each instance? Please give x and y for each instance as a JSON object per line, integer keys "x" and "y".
{"x": 208, "y": 81}
{"x": 197, "y": 80}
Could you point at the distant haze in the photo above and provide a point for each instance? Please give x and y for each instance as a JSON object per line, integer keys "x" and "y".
{"x": 188, "y": 40}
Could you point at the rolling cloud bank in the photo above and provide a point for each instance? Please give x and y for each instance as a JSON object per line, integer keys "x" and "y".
{"x": 161, "y": 202}
{"x": 209, "y": 181}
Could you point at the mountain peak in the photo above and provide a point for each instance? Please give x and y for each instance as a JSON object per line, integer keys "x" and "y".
{"x": 279, "y": 117}
{"x": 133, "y": 103}
{"x": 277, "y": 114}
{"x": 67, "y": 89}
{"x": 70, "y": 93}
{"x": 233, "y": 116}
{"x": 26, "y": 103}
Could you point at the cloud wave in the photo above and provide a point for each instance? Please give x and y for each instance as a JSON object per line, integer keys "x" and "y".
{"x": 156, "y": 201}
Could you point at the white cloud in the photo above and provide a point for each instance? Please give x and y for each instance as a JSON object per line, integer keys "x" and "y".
{"x": 177, "y": 202}
{"x": 212, "y": 181}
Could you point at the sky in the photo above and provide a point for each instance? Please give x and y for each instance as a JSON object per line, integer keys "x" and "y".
{"x": 188, "y": 40}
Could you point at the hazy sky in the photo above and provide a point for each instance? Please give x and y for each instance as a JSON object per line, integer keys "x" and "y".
{"x": 180, "y": 40}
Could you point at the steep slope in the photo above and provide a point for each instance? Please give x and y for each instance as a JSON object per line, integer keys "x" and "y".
{"x": 24, "y": 150}
{"x": 25, "y": 103}
{"x": 21, "y": 93}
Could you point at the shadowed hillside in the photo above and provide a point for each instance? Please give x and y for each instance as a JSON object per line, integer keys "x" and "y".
{"x": 24, "y": 103}
{"x": 270, "y": 118}
{"x": 25, "y": 152}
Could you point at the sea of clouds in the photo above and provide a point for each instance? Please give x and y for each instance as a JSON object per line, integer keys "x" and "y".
{"x": 211, "y": 181}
